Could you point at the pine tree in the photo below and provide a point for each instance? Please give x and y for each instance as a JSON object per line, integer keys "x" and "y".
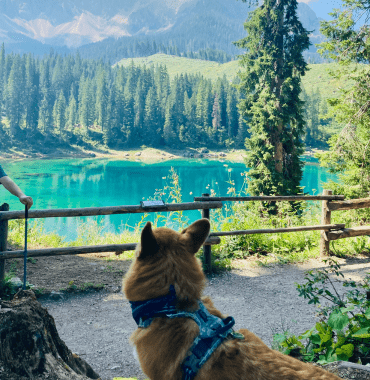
{"x": 13, "y": 98}
{"x": 71, "y": 111}
{"x": 101, "y": 100}
{"x": 139, "y": 104}
{"x": 347, "y": 43}
{"x": 273, "y": 65}
{"x": 152, "y": 118}
{"x": 59, "y": 112}
{"x": 128, "y": 114}
{"x": 187, "y": 132}
{"x": 30, "y": 96}
{"x": 215, "y": 131}
{"x": 169, "y": 128}
{"x": 45, "y": 110}
{"x": 112, "y": 130}
{"x": 231, "y": 115}
{"x": 2, "y": 76}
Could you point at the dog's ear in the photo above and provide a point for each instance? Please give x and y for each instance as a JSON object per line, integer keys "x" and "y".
{"x": 149, "y": 245}
{"x": 196, "y": 234}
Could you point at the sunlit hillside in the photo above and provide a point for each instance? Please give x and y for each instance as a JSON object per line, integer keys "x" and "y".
{"x": 316, "y": 77}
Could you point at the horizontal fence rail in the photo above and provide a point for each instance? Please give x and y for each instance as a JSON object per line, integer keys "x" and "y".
{"x": 118, "y": 248}
{"x": 325, "y": 227}
{"x": 349, "y": 205}
{"x": 349, "y": 232}
{"x": 273, "y": 198}
{"x": 95, "y": 211}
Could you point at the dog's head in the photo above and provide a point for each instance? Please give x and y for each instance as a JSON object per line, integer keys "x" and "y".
{"x": 166, "y": 257}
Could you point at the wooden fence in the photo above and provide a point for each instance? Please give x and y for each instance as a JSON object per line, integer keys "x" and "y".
{"x": 205, "y": 203}
{"x": 329, "y": 232}
{"x": 6, "y": 215}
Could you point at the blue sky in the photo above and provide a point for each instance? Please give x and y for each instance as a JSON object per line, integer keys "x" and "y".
{"x": 322, "y": 7}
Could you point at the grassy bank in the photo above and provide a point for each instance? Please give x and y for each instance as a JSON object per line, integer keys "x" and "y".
{"x": 143, "y": 154}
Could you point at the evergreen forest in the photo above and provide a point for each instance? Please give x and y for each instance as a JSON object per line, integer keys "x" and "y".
{"x": 73, "y": 100}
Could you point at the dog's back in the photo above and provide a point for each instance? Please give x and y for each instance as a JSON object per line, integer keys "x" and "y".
{"x": 166, "y": 258}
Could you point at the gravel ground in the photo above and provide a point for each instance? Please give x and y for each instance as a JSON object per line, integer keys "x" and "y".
{"x": 97, "y": 326}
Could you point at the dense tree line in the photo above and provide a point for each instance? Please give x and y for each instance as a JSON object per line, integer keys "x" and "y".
{"x": 347, "y": 44}
{"x": 113, "y": 50}
{"x": 70, "y": 97}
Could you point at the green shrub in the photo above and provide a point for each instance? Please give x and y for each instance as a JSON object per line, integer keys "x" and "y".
{"x": 343, "y": 332}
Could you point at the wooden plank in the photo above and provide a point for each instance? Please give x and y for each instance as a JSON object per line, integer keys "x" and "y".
{"x": 3, "y": 240}
{"x": 273, "y": 198}
{"x": 82, "y": 250}
{"x": 325, "y": 219}
{"x": 349, "y": 204}
{"x": 349, "y": 232}
{"x": 326, "y": 227}
{"x": 91, "y": 211}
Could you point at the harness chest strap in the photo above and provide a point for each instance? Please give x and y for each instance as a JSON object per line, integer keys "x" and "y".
{"x": 212, "y": 330}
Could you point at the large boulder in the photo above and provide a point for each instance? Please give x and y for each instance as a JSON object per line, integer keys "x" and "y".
{"x": 30, "y": 346}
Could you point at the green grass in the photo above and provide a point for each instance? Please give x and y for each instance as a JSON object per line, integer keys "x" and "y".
{"x": 316, "y": 77}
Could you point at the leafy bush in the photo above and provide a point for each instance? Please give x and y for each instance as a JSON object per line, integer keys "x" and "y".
{"x": 343, "y": 332}
{"x": 283, "y": 247}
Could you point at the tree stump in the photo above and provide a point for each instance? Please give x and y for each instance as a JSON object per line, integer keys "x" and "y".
{"x": 30, "y": 347}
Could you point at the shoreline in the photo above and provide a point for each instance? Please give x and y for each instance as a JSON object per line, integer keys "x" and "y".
{"x": 144, "y": 154}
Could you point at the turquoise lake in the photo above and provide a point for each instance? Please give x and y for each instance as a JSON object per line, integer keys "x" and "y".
{"x": 75, "y": 183}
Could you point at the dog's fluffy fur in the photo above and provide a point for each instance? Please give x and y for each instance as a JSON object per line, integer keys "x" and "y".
{"x": 166, "y": 257}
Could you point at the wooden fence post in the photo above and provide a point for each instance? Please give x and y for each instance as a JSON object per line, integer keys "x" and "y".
{"x": 325, "y": 219}
{"x": 3, "y": 240}
{"x": 207, "y": 248}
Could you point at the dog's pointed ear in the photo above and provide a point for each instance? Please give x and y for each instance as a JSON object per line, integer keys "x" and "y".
{"x": 149, "y": 245}
{"x": 196, "y": 234}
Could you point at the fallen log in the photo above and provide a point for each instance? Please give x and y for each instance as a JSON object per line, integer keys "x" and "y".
{"x": 30, "y": 346}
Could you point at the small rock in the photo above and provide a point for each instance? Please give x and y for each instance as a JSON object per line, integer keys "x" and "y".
{"x": 56, "y": 296}
{"x": 16, "y": 281}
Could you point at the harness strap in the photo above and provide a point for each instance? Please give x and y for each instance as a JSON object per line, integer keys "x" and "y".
{"x": 212, "y": 330}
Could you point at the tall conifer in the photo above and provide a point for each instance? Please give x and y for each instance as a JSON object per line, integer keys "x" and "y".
{"x": 271, "y": 81}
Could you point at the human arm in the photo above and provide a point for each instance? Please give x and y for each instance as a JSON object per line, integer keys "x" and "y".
{"x": 9, "y": 184}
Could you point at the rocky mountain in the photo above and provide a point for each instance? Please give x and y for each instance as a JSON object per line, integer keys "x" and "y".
{"x": 74, "y": 23}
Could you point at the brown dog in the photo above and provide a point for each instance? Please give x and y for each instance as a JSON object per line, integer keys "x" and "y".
{"x": 167, "y": 258}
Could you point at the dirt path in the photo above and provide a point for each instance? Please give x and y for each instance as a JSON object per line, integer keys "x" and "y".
{"x": 263, "y": 299}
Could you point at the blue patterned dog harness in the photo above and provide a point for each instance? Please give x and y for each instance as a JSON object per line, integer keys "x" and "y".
{"x": 212, "y": 330}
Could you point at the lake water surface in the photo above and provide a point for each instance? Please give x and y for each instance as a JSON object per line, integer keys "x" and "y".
{"x": 74, "y": 183}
